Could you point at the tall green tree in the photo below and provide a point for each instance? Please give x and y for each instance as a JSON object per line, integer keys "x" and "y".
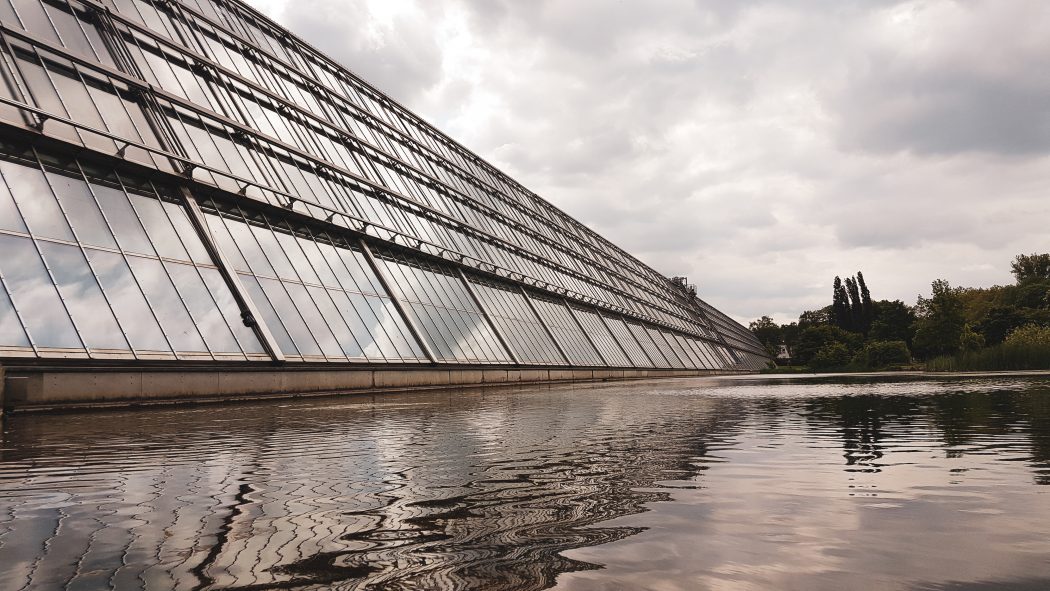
{"x": 768, "y": 333}
{"x": 941, "y": 325}
{"x": 1027, "y": 267}
{"x": 893, "y": 321}
{"x": 867, "y": 309}
{"x": 856, "y": 312}
{"x": 840, "y": 313}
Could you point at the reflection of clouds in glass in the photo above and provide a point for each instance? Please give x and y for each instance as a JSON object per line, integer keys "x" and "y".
{"x": 714, "y": 483}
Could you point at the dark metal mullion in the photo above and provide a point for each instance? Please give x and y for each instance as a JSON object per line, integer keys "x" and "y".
{"x": 543, "y": 323}
{"x": 398, "y": 304}
{"x": 488, "y": 317}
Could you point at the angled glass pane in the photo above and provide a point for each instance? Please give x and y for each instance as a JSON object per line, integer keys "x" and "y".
{"x": 11, "y": 332}
{"x": 647, "y": 343}
{"x": 122, "y": 218}
{"x": 158, "y": 229}
{"x": 336, "y": 322}
{"x": 269, "y": 315}
{"x": 10, "y": 218}
{"x": 227, "y": 305}
{"x": 292, "y": 318}
{"x": 187, "y": 232}
{"x": 602, "y": 337}
{"x": 567, "y": 332}
{"x": 82, "y": 296}
{"x": 628, "y": 342}
{"x": 206, "y": 315}
{"x": 80, "y": 206}
{"x": 168, "y": 305}
{"x": 35, "y": 295}
{"x": 34, "y": 198}
{"x": 129, "y": 304}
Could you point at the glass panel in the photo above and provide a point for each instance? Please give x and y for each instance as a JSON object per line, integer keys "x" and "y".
{"x": 35, "y": 19}
{"x": 301, "y": 299}
{"x": 35, "y": 200}
{"x": 335, "y": 322}
{"x": 158, "y": 228}
{"x": 269, "y": 315}
{"x": 82, "y": 296}
{"x": 226, "y": 303}
{"x": 293, "y": 321}
{"x": 34, "y": 294}
{"x": 11, "y": 333}
{"x": 128, "y": 302}
{"x": 168, "y": 304}
{"x": 225, "y": 242}
{"x": 79, "y": 204}
{"x": 122, "y": 219}
{"x": 205, "y": 313}
{"x": 10, "y": 219}
{"x": 187, "y": 232}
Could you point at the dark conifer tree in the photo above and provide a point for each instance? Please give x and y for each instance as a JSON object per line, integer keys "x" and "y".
{"x": 840, "y": 305}
{"x": 867, "y": 308}
{"x": 855, "y": 313}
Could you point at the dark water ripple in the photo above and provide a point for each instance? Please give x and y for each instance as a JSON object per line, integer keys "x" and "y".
{"x": 694, "y": 484}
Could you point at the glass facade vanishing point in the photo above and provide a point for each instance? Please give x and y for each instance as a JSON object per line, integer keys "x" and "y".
{"x": 184, "y": 180}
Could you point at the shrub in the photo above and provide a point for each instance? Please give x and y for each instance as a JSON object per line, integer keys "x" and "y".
{"x": 883, "y": 353}
{"x": 1027, "y": 347}
{"x": 830, "y": 356}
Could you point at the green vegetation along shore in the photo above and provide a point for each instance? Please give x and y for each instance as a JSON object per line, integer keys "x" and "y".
{"x": 1004, "y": 327}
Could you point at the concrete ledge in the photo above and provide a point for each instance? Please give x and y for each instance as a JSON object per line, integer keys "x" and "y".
{"x": 30, "y": 388}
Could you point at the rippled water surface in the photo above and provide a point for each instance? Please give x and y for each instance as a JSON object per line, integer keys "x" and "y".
{"x": 744, "y": 483}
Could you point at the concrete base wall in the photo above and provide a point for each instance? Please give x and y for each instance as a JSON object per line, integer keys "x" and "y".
{"x": 40, "y": 389}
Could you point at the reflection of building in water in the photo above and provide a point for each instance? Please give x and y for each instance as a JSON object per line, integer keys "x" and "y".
{"x": 188, "y": 182}
{"x": 263, "y": 496}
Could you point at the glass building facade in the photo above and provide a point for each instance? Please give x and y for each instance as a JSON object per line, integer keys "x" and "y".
{"x": 184, "y": 180}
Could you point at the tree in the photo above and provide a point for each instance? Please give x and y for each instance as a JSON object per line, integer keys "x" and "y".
{"x": 790, "y": 333}
{"x": 867, "y": 309}
{"x": 840, "y": 313}
{"x": 882, "y": 353}
{"x": 830, "y": 356}
{"x": 855, "y": 311}
{"x": 1001, "y": 321}
{"x": 941, "y": 322}
{"x": 815, "y": 317}
{"x": 1026, "y": 267}
{"x": 892, "y": 321}
{"x": 815, "y": 338}
{"x": 768, "y": 333}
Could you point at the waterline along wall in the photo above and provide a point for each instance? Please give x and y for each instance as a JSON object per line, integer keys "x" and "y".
{"x": 196, "y": 203}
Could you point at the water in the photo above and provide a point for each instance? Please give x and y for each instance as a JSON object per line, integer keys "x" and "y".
{"x": 744, "y": 483}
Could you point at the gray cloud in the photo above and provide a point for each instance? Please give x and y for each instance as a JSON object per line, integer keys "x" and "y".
{"x": 759, "y": 147}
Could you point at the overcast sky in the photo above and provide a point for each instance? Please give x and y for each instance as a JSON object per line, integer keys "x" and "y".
{"x": 760, "y": 148}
